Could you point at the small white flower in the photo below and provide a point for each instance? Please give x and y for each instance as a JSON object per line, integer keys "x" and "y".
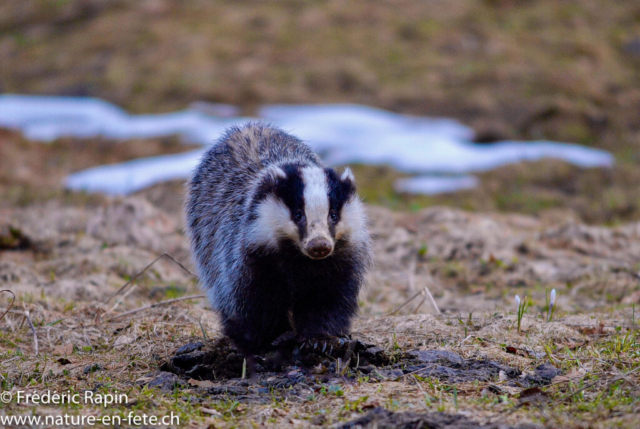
{"x": 552, "y": 303}
{"x": 518, "y": 300}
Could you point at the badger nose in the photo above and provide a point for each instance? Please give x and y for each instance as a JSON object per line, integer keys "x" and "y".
{"x": 319, "y": 248}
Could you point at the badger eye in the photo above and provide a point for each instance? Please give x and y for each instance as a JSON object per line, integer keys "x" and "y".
{"x": 297, "y": 216}
{"x": 333, "y": 215}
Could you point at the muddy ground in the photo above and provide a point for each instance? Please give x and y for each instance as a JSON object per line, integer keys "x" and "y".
{"x": 67, "y": 259}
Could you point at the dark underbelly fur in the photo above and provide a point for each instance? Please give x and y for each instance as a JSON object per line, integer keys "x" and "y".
{"x": 317, "y": 297}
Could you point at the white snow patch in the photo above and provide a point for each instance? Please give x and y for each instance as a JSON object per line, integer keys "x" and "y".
{"x": 341, "y": 133}
{"x": 132, "y": 176}
{"x": 432, "y": 185}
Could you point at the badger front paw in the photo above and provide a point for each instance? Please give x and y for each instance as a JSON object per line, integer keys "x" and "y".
{"x": 285, "y": 339}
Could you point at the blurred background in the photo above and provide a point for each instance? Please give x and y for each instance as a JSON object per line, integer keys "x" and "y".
{"x": 566, "y": 71}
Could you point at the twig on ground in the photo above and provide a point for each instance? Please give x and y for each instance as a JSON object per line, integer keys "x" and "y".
{"x": 422, "y": 390}
{"x": 204, "y": 332}
{"x": 33, "y": 329}
{"x": 412, "y": 286}
{"x": 211, "y": 412}
{"x": 412, "y": 275}
{"x": 4, "y": 362}
{"x": 433, "y": 301}
{"x": 134, "y": 278}
{"x": 126, "y": 294}
{"x": 415, "y": 310}
{"x": 406, "y": 303}
{"x": 417, "y": 371}
{"x": 468, "y": 337}
{"x": 157, "y": 304}
{"x": 10, "y": 304}
{"x": 425, "y": 292}
{"x": 418, "y": 384}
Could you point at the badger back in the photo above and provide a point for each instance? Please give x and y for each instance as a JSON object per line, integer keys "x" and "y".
{"x": 226, "y": 177}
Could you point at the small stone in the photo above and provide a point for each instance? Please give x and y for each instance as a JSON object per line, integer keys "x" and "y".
{"x": 374, "y": 350}
{"x": 390, "y": 374}
{"x": 187, "y": 361}
{"x": 188, "y": 348}
{"x": 547, "y": 371}
{"x": 166, "y": 382}
{"x": 93, "y": 368}
{"x": 437, "y": 355}
{"x": 543, "y": 375}
{"x": 366, "y": 369}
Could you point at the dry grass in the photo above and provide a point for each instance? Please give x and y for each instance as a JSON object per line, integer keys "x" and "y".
{"x": 80, "y": 254}
{"x": 122, "y": 356}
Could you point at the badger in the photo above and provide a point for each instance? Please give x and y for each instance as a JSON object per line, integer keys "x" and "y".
{"x": 280, "y": 240}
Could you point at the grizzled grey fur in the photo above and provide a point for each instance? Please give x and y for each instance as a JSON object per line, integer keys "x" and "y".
{"x": 280, "y": 241}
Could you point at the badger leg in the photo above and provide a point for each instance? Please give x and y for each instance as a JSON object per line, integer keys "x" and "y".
{"x": 254, "y": 331}
{"x": 260, "y": 313}
{"x": 321, "y": 311}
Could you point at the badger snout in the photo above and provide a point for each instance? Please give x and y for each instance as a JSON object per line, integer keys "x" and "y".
{"x": 319, "y": 248}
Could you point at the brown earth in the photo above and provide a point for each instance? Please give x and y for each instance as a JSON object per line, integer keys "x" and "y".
{"x": 74, "y": 254}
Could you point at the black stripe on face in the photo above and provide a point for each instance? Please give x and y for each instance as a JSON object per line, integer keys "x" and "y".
{"x": 264, "y": 189}
{"x": 291, "y": 192}
{"x": 340, "y": 191}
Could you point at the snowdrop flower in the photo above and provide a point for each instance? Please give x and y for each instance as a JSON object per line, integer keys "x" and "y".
{"x": 517, "y": 300}
{"x": 552, "y": 303}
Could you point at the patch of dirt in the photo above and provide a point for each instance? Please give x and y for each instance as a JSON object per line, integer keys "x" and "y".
{"x": 220, "y": 360}
{"x": 315, "y": 362}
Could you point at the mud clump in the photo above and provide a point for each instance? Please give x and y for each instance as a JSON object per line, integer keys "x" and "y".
{"x": 221, "y": 360}
{"x": 166, "y": 382}
{"x": 450, "y": 367}
{"x": 316, "y": 361}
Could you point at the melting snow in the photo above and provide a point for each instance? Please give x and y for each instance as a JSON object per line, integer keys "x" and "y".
{"x": 440, "y": 150}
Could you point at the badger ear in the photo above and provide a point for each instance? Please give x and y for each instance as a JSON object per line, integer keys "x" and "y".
{"x": 347, "y": 176}
{"x": 274, "y": 172}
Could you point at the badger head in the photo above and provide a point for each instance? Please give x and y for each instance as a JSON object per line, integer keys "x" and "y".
{"x": 311, "y": 206}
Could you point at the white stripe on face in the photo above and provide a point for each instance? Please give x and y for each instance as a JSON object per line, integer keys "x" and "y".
{"x": 272, "y": 224}
{"x": 353, "y": 221}
{"x": 316, "y": 203}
